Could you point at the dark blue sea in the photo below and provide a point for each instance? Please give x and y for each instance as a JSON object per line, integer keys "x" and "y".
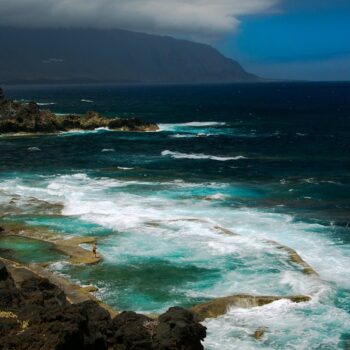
{"x": 187, "y": 214}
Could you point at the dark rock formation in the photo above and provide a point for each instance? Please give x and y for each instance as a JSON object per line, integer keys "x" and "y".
{"x": 2, "y": 96}
{"x": 133, "y": 331}
{"x": 28, "y": 117}
{"x": 178, "y": 329}
{"x": 35, "y": 314}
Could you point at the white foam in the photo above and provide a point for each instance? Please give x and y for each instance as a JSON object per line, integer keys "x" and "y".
{"x": 109, "y": 203}
{"x": 183, "y": 136}
{"x": 87, "y": 101}
{"x": 124, "y": 168}
{"x": 156, "y": 224}
{"x": 188, "y": 126}
{"x": 108, "y": 150}
{"x": 34, "y": 149}
{"x": 200, "y": 124}
{"x": 45, "y": 103}
{"x": 103, "y": 129}
{"x": 179, "y": 155}
{"x": 80, "y": 131}
{"x": 287, "y": 325}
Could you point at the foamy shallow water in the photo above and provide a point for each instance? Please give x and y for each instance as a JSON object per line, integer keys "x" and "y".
{"x": 158, "y": 232}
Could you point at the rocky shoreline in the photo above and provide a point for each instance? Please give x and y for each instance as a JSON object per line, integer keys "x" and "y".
{"x": 37, "y": 314}
{"x": 18, "y": 117}
{"x": 130, "y": 322}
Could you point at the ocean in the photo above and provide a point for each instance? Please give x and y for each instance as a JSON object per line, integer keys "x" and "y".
{"x": 187, "y": 214}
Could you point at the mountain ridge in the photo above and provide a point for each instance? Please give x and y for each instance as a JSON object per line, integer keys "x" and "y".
{"x": 110, "y": 56}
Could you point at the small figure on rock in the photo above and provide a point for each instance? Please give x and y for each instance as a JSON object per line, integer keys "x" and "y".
{"x": 94, "y": 250}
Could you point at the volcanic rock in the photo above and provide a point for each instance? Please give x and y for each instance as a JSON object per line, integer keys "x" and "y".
{"x": 36, "y": 314}
{"x": 29, "y": 118}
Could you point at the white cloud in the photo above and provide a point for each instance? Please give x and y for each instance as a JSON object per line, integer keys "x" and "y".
{"x": 191, "y": 18}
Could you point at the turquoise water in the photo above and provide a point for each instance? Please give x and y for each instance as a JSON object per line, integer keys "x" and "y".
{"x": 28, "y": 250}
{"x": 183, "y": 215}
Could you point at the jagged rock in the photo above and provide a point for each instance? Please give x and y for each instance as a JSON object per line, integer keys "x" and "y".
{"x": 3, "y": 272}
{"x": 179, "y": 329}
{"x": 36, "y": 314}
{"x": 132, "y": 332}
{"x": 176, "y": 329}
{"x": 19, "y": 117}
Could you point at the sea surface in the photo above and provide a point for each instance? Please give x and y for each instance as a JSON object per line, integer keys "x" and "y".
{"x": 183, "y": 215}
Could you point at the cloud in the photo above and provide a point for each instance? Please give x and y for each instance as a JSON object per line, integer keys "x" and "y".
{"x": 191, "y": 18}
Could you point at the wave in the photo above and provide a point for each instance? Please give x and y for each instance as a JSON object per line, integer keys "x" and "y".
{"x": 185, "y": 235}
{"x": 200, "y": 124}
{"x": 183, "y": 136}
{"x": 34, "y": 149}
{"x": 45, "y": 103}
{"x": 124, "y": 168}
{"x": 196, "y": 125}
{"x": 179, "y": 155}
{"x": 108, "y": 150}
{"x": 286, "y": 325}
{"x": 86, "y": 101}
{"x": 83, "y": 132}
{"x": 108, "y": 202}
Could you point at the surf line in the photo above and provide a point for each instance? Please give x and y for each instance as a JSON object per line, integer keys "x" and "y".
{"x": 293, "y": 255}
{"x": 220, "y": 306}
{"x": 211, "y": 309}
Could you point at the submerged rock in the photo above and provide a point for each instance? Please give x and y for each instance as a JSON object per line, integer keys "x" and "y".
{"x": 18, "y": 117}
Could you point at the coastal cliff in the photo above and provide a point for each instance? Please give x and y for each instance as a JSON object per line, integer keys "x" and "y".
{"x": 18, "y": 117}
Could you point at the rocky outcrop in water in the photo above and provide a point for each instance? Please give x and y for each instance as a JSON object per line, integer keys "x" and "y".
{"x": 36, "y": 314}
{"x": 18, "y": 117}
{"x": 220, "y": 306}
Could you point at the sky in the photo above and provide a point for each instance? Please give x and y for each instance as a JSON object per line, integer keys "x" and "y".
{"x": 306, "y": 40}
{"x": 279, "y": 39}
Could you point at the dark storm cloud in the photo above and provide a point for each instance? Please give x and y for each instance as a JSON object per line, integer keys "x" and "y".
{"x": 179, "y": 17}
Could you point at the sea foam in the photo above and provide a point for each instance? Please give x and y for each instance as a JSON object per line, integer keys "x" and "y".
{"x": 179, "y": 155}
